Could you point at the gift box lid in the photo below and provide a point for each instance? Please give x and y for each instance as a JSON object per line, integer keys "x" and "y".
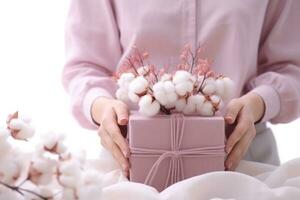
{"x": 154, "y": 132}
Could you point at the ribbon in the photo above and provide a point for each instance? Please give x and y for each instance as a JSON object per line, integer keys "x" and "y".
{"x": 175, "y": 171}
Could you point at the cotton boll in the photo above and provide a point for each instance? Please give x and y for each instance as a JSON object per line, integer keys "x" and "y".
{"x": 181, "y": 76}
{"x": 209, "y": 86}
{"x": 191, "y": 105}
{"x": 19, "y": 126}
{"x": 24, "y": 117}
{"x": 207, "y": 109}
{"x": 194, "y": 103}
{"x": 122, "y": 94}
{"x": 165, "y": 93}
{"x": 5, "y": 146}
{"x": 4, "y": 134}
{"x": 159, "y": 86}
{"x": 9, "y": 170}
{"x": 43, "y": 164}
{"x": 180, "y": 104}
{"x": 159, "y": 93}
{"x": 123, "y": 83}
{"x": 166, "y": 77}
{"x": 209, "y": 89}
{"x": 44, "y": 179}
{"x": 70, "y": 167}
{"x": 224, "y": 87}
{"x": 125, "y": 79}
{"x": 70, "y": 173}
{"x": 169, "y": 87}
{"x": 41, "y": 170}
{"x": 20, "y": 129}
{"x": 138, "y": 85}
{"x": 172, "y": 98}
{"x": 183, "y": 88}
{"x": 61, "y": 148}
{"x": 220, "y": 87}
{"x": 68, "y": 194}
{"x": 68, "y": 181}
{"x": 170, "y": 106}
{"x": 133, "y": 97}
{"x": 199, "y": 100}
{"x": 215, "y": 99}
{"x": 45, "y": 191}
{"x": 49, "y": 139}
{"x": 184, "y": 82}
{"x": 54, "y": 143}
{"x": 189, "y": 109}
{"x": 148, "y": 106}
{"x": 228, "y": 88}
{"x": 143, "y": 70}
{"x": 161, "y": 97}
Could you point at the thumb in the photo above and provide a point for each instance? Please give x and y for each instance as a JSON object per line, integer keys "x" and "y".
{"x": 122, "y": 113}
{"x": 232, "y": 111}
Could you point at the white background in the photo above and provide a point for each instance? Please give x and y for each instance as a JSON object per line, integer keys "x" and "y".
{"x": 31, "y": 60}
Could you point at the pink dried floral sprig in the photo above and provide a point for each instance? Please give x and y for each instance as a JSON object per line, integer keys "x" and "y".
{"x": 192, "y": 88}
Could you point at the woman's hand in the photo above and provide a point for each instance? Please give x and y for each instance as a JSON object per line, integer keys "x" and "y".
{"x": 110, "y": 113}
{"x": 244, "y": 112}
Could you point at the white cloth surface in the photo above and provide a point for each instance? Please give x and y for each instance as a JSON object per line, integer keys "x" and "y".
{"x": 251, "y": 181}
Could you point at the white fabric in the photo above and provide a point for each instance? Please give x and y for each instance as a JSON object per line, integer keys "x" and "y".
{"x": 252, "y": 181}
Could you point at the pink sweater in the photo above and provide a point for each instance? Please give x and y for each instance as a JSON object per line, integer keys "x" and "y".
{"x": 255, "y": 42}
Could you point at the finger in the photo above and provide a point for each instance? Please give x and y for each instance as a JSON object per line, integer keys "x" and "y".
{"x": 120, "y": 158}
{"x": 121, "y": 111}
{"x": 233, "y": 108}
{"x": 113, "y": 130}
{"x": 102, "y": 136}
{"x": 239, "y": 151}
{"x": 242, "y": 127}
{"x": 116, "y": 152}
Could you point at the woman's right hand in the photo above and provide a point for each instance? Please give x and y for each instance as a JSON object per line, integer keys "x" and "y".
{"x": 111, "y": 113}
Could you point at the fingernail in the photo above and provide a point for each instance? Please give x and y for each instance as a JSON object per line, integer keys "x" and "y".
{"x": 228, "y": 149}
{"x": 229, "y": 119}
{"x": 123, "y": 121}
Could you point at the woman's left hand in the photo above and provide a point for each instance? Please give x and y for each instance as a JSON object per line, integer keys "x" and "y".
{"x": 244, "y": 112}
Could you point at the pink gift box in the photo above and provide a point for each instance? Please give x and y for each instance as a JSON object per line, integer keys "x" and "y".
{"x": 166, "y": 149}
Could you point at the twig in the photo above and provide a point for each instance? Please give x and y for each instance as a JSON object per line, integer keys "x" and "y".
{"x": 193, "y": 60}
{"x": 22, "y": 183}
{"x": 132, "y": 65}
{"x": 202, "y": 83}
{"x": 14, "y": 188}
{"x": 140, "y": 57}
{"x": 165, "y": 110}
{"x": 21, "y": 191}
{"x": 34, "y": 193}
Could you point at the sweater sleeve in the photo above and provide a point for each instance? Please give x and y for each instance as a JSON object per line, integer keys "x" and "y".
{"x": 278, "y": 79}
{"x": 92, "y": 53}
